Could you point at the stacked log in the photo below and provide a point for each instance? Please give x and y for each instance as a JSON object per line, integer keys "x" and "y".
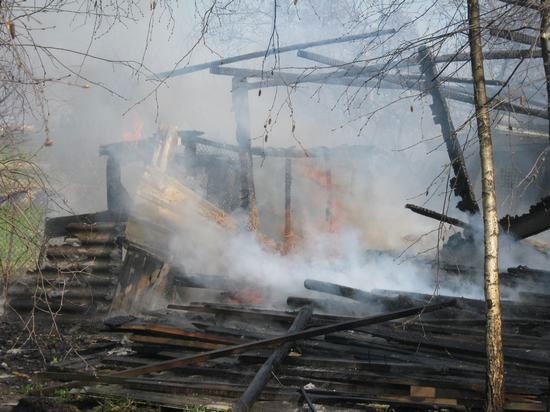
{"x": 77, "y": 276}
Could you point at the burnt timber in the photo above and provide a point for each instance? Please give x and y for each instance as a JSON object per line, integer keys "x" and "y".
{"x": 423, "y": 363}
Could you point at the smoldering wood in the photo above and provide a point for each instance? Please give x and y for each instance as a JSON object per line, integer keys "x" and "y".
{"x": 263, "y": 375}
{"x": 321, "y": 330}
{"x": 536, "y": 221}
{"x": 441, "y": 115}
{"x": 438, "y": 216}
{"x": 393, "y": 369}
{"x": 271, "y": 51}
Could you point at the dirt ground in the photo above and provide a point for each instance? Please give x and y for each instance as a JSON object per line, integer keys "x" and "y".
{"x": 26, "y": 348}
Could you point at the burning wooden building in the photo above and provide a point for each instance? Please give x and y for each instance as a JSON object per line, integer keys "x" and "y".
{"x": 212, "y": 338}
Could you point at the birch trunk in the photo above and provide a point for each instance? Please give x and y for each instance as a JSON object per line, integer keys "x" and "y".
{"x": 494, "y": 393}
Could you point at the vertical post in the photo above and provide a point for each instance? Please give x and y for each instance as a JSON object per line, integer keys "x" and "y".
{"x": 287, "y": 233}
{"x": 166, "y": 151}
{"x": 190, "y": 158}
{"x": 329, "y": 217}
{"x": 494, "y": 394}
{"x": 114, "y": 183}
{"x": 239, "y": 94}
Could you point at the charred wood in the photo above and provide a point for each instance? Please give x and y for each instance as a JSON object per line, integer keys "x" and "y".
{"x": 438, "y": 216}
{"x": 263, "y": 375}
{"x": 537, "y": 220}
{"x": 321, "y": 330}
{"x": 461, "y": 182}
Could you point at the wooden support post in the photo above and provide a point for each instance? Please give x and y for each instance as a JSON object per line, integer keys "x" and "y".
{"x": 114, "y": 183}
{"x": 242, "y": 120}
{"x": 118, "y": 200}
{"x": 329, "y": 216}
{"x": 190, "y": 157}
{"x": 262, "y": 377}
{"x": 288, "y": 242}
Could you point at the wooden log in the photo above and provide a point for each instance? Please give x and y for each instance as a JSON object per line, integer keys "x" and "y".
{"x": 262, "y": 377}
{"x": 95, "y": 237}
{"x": 438, "y": 216}
{"x": 95, "y": 227}
{"x": 83, "y": 251}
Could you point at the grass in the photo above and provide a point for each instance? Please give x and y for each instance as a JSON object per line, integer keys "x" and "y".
{"x": 20, "y": 237}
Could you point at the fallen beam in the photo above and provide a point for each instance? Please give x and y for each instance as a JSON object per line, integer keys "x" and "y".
{"x": 264, "y": 374}
{"x": 290, "y": 337}
{"x": 438, "y": 216}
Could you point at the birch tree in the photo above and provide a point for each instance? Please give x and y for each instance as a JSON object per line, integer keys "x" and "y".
{"x": 494, "y": 395}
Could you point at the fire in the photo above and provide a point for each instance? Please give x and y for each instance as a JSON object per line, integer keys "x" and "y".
{"x": 246, "y": 296}
{"x": 331, "y": 191}
{"x": 137, "y": 131}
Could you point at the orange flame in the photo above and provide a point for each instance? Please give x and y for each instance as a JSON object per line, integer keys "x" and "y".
{"x": 136, "y": 133}
{"x": 331, "y": 191}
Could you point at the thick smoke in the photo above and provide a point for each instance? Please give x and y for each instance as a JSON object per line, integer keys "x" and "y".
{"x": 403, "y": 159}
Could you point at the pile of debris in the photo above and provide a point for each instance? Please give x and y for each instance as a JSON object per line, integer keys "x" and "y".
{"x": 422, "y": 353}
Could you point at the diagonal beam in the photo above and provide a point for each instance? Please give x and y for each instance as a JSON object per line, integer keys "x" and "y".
{"x": 440, "y": 110}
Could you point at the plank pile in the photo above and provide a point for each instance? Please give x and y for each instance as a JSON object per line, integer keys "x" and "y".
{"x": 212, "y": 354}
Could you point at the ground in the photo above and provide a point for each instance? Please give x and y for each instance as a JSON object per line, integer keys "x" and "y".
{"x": 24, "y": 355}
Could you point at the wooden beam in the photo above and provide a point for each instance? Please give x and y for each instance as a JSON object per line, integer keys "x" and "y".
{"x": 262, "y": 377}
{"x": 442, "y": 116}
{"x": 271, "y": 51}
